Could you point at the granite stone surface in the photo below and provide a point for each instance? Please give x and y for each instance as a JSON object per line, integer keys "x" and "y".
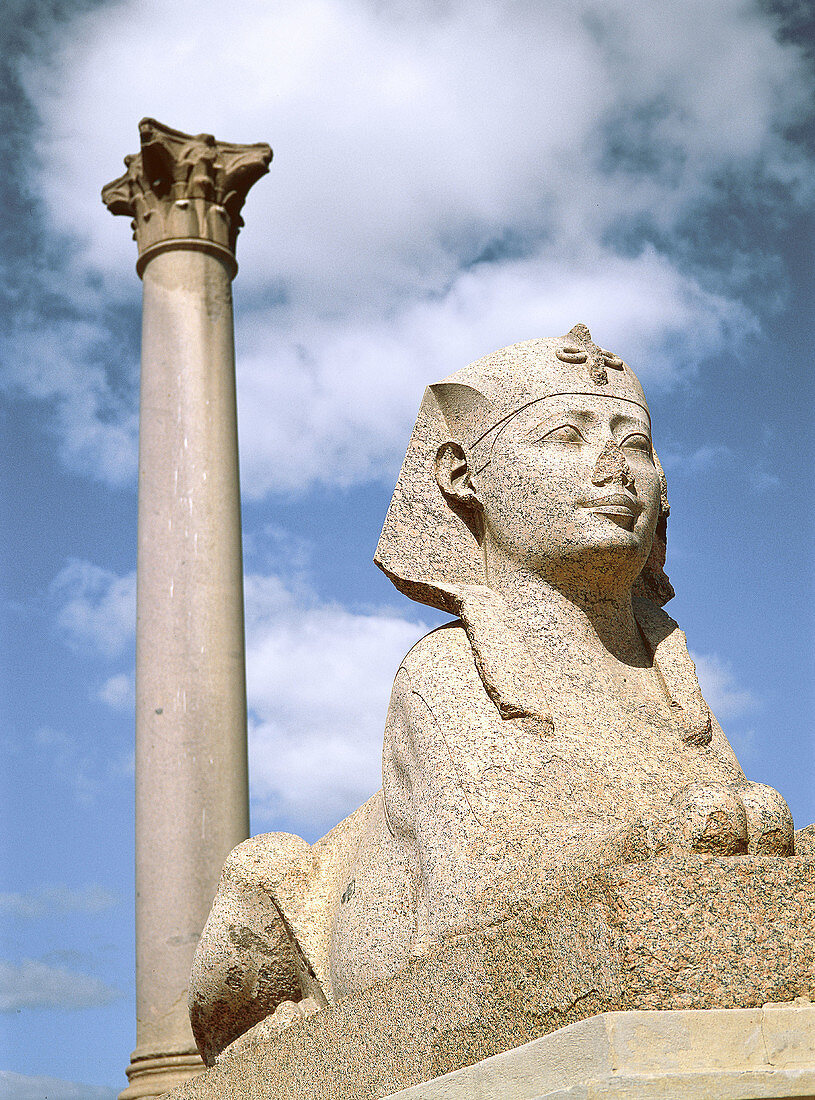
{"x": 729, "y": 1054}
{"x": 183, "y": 195}
{"x": 672, "y": 932}
{"x": 563, "y": 828}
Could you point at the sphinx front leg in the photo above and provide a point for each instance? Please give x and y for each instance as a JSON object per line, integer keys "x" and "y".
{"x": 731, "y": 819}
{"x": 247, "y": 965}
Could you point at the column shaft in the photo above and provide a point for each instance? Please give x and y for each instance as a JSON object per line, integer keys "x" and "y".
{"x": 191, "y": 767}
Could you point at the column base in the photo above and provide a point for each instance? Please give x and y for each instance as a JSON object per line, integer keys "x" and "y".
{"x": 152, "y": 1075}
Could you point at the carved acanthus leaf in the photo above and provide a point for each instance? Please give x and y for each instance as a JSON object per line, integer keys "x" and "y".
{"x": 186, "y": 186}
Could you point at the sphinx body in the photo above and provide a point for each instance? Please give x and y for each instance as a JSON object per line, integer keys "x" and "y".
{"x": 556, "y": 725}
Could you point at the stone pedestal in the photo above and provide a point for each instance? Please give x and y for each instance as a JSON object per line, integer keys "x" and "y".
{"x": 185, "y": 194}
{"x": 729, "y": 1054}
{"x": 632, "y": 979}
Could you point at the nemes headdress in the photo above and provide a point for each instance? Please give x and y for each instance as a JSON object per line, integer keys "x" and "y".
{"x": 425, "y": 548}
{"x": 431, "y": 554}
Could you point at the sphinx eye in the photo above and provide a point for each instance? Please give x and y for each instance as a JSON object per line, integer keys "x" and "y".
{"x": 564, "y": 433}
{"x": 637, "y": 441}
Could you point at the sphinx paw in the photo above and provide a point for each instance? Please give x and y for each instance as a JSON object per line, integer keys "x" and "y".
{"x": 770, "y": 828}
{"x": 289, "y": 1011}
{"x": 710, "y": 817}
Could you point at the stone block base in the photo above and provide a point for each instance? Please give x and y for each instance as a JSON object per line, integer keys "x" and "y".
{"x": 726, "y": 1054}
{"x": 706, "y": 938}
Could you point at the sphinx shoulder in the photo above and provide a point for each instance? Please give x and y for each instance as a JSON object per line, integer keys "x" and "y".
{"x": 447, "y": 642}
{"x": 264, "y": 861}
{"x": 440, "y": 658}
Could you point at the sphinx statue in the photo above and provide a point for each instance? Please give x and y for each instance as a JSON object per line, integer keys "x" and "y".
{"x": 555, "y": 725}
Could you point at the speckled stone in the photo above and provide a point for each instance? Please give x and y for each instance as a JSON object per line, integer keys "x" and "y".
{"x": 729, "y": 1054}
{"x": 563, "y": 828}
{"x": 677, "y": 932}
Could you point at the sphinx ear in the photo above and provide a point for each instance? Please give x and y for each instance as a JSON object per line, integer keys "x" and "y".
{"x": 453, "y": 478}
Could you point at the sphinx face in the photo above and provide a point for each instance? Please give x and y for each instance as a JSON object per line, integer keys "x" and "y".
{"x": 569, "y": 490}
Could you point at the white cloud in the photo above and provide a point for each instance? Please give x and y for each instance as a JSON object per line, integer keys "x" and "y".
{"x": 36, "y": 984}
{"x": 725, "y": 696}
{"x": 18, "y": 1086}
{"x": 319, "y": 679}
{"x": 96, "y": 608}
{"x": 338, "y": 408}
{"x": 118, "y": 692}
{"x": 55, "y": 900}
{"x": 470, "y": 120}
{"x": 411, "y": 139}
{"x": 66, "y": 365}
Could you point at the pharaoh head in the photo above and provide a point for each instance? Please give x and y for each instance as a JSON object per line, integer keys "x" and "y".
{"x": 536, "y": 457}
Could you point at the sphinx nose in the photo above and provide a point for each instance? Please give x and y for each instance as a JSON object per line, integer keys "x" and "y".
{"x": 611, "y": 466}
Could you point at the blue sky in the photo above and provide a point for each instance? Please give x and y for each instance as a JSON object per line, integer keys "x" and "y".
{"x": 448, "y": 178}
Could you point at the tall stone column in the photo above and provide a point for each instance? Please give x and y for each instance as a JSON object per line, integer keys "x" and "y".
{"x": 185, "y": 194}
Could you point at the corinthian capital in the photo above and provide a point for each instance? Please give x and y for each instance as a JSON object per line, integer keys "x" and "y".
{"x": 185, "y": 190}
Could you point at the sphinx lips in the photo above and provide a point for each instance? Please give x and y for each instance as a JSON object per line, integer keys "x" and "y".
{"x": 620, "y": 509}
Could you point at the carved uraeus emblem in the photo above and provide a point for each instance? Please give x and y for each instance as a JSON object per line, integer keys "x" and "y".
{"x": 580, "y": 348}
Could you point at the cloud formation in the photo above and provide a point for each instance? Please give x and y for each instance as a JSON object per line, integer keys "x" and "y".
{"x": 725, "y": 696}
{"x": 553, "y": 119}
{"x": 33, "y": 983}
{"x": 448, "y": 178}
{"x": 318, "y": 680}
{"x": 50, "y": 901}
{"x": 96, "y": 608}
{"x": 19, "y": 1086}
{"x": 72, "y": 367}
{"x": 345, "y": 400}
{"x": 118, "y": 692}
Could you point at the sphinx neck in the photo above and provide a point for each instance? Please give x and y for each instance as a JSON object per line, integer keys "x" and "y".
{"x": 572, "y": 620}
